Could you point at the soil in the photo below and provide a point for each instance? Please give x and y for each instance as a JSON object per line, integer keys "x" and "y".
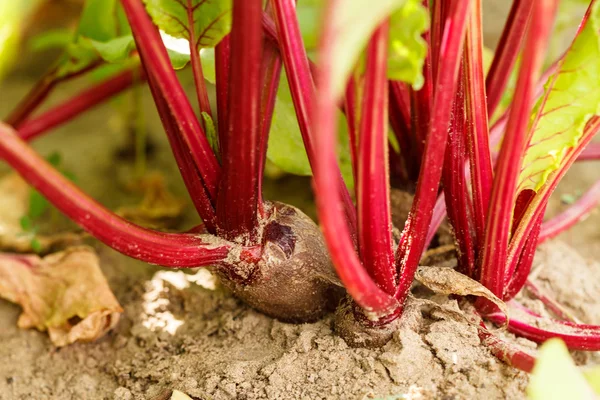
{"x": 182, "y": 330}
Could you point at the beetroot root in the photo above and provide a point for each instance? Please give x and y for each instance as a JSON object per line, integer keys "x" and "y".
{"x": 294, "y": 280}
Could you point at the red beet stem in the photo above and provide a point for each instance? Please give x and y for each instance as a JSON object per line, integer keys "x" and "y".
{"x": 507, "y": 52}
{"x": 439, "y": 214}
{"x": 187, "y": 168}
{"x": 413, "y": 238}
{"x": 168, "y": 249}
{"x": 39, "y": 93}
{"x": 270, "y": 77}
{"x": 539, "y": 329}
{"x": 591, "y": 153}
{"x": 549, "y": 302}
{"x": 498, "y": 219}
{"x": 373, "y": 193}
{"x": 193, "y": 41}
{"x": 421, "y": 100}
{"x": 356, "y": 279}
{"x": 352, "y": 111}
{"x": 515, "y": 278}
{"x": 458, "y": 198}
{"x": 158, "y": 66}
{"x": 400, "y": 120}
{"x": 505, "y": 351}
{"x": 573, "y": 214}
{"x": 302, "y": 88}
{"x": 237, "y": 206}
{"x": 87, "y": 99}
{"x": 477, "y": 129}
{"x": 222, "y": 54}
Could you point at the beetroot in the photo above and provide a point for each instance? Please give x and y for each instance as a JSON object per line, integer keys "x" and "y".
{"x": 294, "y": 279}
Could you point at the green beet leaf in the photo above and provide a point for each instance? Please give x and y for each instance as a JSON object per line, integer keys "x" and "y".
{"x": 178, "y": 60}
{"x": 555, "y": 375}
{"x": 13, "y": 14}
{"x": 102, "y": 33}
{"x": 115, "y": 50}
{"x": 355, "y": 22}
{"x": 205, "y": 22}
{"x": 568, "y": 18}
{"x": 407, "y": 48}
{"x": 568, "y": 104}
{"x": 286, "y": 148}
{"x": 100, "y": 20}
{"x": 207, "y": 59}
{"x": 211, "y": 134}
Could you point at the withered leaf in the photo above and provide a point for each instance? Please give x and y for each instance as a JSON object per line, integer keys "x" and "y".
{"x": 503, "y": 350}
{"x": 447, "y": 281}
{"x": 63, "y": 293}
{"x": 159, "y": 208}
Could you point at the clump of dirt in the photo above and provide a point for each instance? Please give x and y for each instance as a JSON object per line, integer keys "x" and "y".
{"x": 582, "y": 302}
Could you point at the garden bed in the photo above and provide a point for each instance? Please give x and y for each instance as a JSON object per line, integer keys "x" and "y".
{"x": 183, "y": 330}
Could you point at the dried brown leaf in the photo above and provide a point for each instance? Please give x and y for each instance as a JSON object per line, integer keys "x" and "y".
{"x": 159, "y": 208}
{"x": 503, "y": 350}
{"x": 448, "y": 281}
{"x": 63, "y": 293}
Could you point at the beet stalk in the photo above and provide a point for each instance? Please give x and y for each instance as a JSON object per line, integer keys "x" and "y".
{"x": 507, "y": 51}
{"x": 31, "y": 128}
{"x": 508, "y": 168}
{"x": 237, "y": 203}
{"x": 176, "y": 250}
{"x": 413, "y": 238}
{"x": 373, "y": 196}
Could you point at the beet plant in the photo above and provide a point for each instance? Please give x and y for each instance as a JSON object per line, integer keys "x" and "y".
{"x": 378, "y": 64}
{"x": 495, "y": 202}
{"x": 269, "y": 254}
